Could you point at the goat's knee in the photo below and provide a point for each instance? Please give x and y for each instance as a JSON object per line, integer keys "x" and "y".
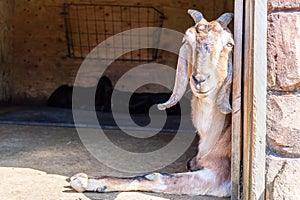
{"x": 193, "y": 165}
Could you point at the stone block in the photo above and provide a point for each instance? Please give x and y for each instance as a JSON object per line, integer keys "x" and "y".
{"x": 283, "y": 124}
{"x": 284, "y": 4}
{"x": 283, "y": 177}
{"x": 284, "y": 51}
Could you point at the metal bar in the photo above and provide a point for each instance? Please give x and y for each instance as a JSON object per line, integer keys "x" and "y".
{"x": 122, "y": 29}
{"x": 153, "y": 39}
{"x": 139, "y": 25}
{"x": 71, "y": 38}
{"x": 131, "y": 53}
{"x": 79, "y": 31}
{"x": 87, "y": 28}
{"x": 148, "y": 35}
{"x": 113, "y": 30}
{"x": 111, "y": 5}
{"x": 104, "y": 25}
{"x": 96, "y": 29}
{"x": 66, "y": 13}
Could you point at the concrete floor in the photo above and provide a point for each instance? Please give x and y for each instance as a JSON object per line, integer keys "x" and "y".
{"x": 35, "y": 162}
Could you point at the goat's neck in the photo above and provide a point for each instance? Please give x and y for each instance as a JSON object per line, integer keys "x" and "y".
{"x": 209, "y": 122}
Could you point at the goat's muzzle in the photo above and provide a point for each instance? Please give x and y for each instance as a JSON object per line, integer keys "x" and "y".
{"x": 200, "y": 84}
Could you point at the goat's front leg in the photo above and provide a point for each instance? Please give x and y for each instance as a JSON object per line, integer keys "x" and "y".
{"x": 203, "y": 182}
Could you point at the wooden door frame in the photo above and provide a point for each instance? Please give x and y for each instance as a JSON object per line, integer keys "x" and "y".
{"x": 249, "y": 100}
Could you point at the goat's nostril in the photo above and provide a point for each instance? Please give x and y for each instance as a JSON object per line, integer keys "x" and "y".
{"x": 194, "y": 79}
{"x": 197, "y": 82}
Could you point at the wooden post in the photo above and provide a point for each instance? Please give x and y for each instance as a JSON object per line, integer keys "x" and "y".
{"x": 236, "y": 101}
{"x": 6, "y": 48}
{"x": 254, "y": 102}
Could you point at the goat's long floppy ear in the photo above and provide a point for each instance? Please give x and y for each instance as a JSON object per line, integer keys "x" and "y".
{"x": 181, "y": 80}
{"x": 223, "y": 98}
{"x": 225, "y": 19}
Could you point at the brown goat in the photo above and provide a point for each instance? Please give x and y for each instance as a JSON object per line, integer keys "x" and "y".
{"x": 205, "y": 63}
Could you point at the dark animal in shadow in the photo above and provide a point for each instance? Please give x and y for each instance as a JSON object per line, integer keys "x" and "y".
{"x": 139, "y": 103}
{"x": 62, "y": 96}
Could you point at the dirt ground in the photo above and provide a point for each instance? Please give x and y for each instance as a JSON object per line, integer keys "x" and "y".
{"x": 36, "y": 161}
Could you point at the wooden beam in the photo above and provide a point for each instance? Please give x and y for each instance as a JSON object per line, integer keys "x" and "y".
{"x": 236, "y": 100}
{"x": 254, "y": 104}
{"x": 6, "y": 48}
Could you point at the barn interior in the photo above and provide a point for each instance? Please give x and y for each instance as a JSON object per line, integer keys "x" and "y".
{"x": 43, "y": 43}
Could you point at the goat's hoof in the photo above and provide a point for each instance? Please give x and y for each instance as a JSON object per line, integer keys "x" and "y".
{"x": 79, "y": 182}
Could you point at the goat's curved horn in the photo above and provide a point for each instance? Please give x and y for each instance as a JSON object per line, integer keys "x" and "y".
{"x": 181, "y": 80}
{"x": 196, "y": 15}
{"x": 225, "y": 19}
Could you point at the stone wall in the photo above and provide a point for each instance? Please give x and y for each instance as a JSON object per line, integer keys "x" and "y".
{"x": 283, "y": 106}
{"x": 6, "y": 27}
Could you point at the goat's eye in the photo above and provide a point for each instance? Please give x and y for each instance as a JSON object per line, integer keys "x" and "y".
{"x": 229, "y": 45}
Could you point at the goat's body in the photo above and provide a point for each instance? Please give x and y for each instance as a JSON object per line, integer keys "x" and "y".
{"x": 213, "y": 162}
{"x": 205, "y": 62}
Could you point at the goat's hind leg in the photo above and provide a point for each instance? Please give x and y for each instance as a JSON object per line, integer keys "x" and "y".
{"x": 202, "y": 182}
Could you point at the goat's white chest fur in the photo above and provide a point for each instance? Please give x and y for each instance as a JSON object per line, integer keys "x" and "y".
{"x": 208, "y": 121}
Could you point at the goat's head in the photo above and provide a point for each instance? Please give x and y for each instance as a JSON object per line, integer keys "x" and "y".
{"x": 205, "y": 61}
